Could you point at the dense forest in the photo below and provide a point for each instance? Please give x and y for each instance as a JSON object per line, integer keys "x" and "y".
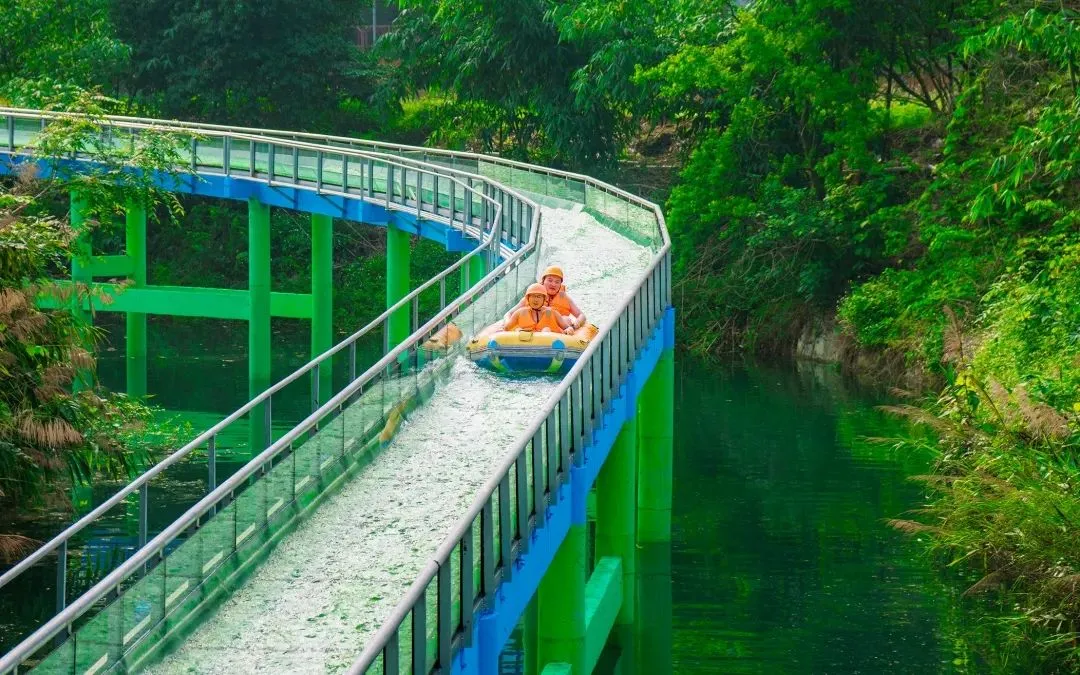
{"x": 900, "y": 176}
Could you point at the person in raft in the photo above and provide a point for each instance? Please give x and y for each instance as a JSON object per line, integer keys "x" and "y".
{"x": 536, "y": 316}
{"x": 557, "y": 298}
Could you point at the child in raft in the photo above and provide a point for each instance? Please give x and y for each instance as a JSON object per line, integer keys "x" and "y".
{"x": 536, "y": 316}
{"x": 556, "y": 298}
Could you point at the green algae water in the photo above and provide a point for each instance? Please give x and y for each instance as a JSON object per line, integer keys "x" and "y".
{"x": 781, "y": 557}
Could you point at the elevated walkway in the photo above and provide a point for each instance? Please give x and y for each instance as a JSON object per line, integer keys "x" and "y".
{"x": 413, "y": 514}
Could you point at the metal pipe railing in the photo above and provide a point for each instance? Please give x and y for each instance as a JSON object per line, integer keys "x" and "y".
{"x": 492, "y": 233}
{"x": 211, "y": 433}
{"x": 554, "y": 440}
{"x": 603, "y": 366}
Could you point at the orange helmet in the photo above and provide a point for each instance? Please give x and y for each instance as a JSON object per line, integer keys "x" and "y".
{"x": 553, "y": 271}
{"x": 536, "y": 289}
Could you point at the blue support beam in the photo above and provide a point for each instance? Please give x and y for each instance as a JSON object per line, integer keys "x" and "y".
{"x": 494, "y": 625}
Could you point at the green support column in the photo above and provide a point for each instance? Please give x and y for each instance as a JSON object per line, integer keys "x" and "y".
{"x": 80, "y": 274}
{"x": 656, "y": 409}
{"x": 136, "y": 321}
{"x": 528, "y": 640}
{"x": 258, "y": 319}
{"x": 561, "y": 605}
{"x": 616, "y": 499}
{"x": 397, "y": 282}
{"x": 653, "y": 639}
{"x": 477, "y": 269}
{"x": 322, "y": 297}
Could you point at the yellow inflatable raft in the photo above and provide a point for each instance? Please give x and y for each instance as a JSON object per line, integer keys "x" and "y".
{"x": 519, "y": 351}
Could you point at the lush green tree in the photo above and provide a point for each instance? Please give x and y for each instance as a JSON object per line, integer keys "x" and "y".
{"x": 539, "y": 79}
{"x": 53, "y": 48}
{"x": 280, "y": 63}
{"x": 49, "y": 428}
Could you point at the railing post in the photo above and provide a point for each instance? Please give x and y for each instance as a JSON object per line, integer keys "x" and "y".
{"x": 444, "y": 627}
{"x": 467, "y": 589}
{"x": 211, "y": 468}
{"x": 391, "y": 655}
{"x": 419, "y": 635}
{"x": 144, "y": 511}
{"x": 226, "y": 155}
{"x": 505, "y": 536}
{"x": 538, "y": 479}
{"x": 352, "y": 361}
{"x": 61, "y": 576}
{"x": 521, "y": 488}
{"x": 487, "y": 550}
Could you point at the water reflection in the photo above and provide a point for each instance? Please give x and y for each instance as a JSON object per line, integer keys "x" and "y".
{"x": 781, "y": 560}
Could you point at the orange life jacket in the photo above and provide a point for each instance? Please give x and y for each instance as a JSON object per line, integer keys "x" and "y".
{"x": 561, "y": 302}
{"x": 534, "y": 320}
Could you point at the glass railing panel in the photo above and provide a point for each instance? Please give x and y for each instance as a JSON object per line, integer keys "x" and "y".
{"x": 26, "y": 131}
{"x": 240, "y": 155}
{"x": 250, "y": 515}
{"x": 455, "y": 586}
{"x": 514, "y": 515}
{"x": 431, "y": 595}
{"x": 332, "y": 166}
{"x": 143, "y": 607}
{"x": 60, "y": 661}
{"x": 210, "y": 152}
{"x": 307, "y": 162}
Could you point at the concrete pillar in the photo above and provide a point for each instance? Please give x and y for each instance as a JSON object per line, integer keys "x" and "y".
{"x": 616, "y": 499}
{"x": 81, "y": 274}
{"x": 322, "y": 297}
{"x": 397, "y": 283}
{"x": 561, "y": 605}
{"x": 655, "y": 410}
{"x": 135, "y": 248}
{"x": 258, "y": 319}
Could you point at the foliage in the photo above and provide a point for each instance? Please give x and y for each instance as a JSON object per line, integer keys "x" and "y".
{"x": 52, "y": 50}
{"x": 241, "y": 63}
{"x": 52, "y": 422}
{"x": 535, "y": 79}
{"x": 784, "y": 201}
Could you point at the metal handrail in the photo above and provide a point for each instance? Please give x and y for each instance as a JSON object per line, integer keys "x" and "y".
{"x": 398, "y": 147}
{"x": 206, "y": 436}
{"x": 541, "y": 432}
{"x": 570, "y": 413}
{"x": 491, "y": 242}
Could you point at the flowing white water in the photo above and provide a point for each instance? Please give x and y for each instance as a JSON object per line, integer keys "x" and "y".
{"x": 327, "y": 586}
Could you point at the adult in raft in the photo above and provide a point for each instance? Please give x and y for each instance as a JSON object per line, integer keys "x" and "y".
{"x": 557, "y": 298}
{"x": 536, "y": 316}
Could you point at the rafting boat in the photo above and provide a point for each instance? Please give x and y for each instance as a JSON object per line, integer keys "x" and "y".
{"x": 519, "y": 351}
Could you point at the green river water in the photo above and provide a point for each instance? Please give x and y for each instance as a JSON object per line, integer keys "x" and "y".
{"x": 781, "y": 560}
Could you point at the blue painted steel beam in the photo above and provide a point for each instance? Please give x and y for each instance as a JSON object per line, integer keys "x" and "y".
{"x": 241, "y": 188}
{"x": 495, "y": 623}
